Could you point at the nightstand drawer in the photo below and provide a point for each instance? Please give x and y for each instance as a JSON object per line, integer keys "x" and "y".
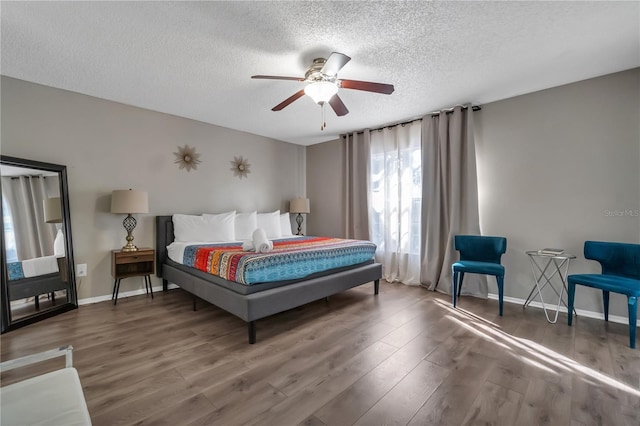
{"x": 134, "y": 257}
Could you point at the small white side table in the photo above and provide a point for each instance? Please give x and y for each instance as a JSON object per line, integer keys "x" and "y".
{"x": 545, "y": 267}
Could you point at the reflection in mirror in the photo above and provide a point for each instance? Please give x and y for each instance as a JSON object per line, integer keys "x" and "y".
{"x": 37, "y": 279}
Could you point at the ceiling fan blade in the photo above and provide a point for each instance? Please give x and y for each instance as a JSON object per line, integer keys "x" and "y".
{"x": 289, "y": 100}
{"x": 334, "y": 63}
{"x": 367, "y": 86}
{"x": 338, "y": 106}
{"x": 277, "y": 77}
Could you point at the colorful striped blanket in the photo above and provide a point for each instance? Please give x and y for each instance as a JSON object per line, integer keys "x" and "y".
{"x": 291, "y": 258}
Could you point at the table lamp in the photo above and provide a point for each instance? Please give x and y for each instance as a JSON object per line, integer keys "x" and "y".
{"x": 299, "y": 205}
{"x": 128, "y": 201}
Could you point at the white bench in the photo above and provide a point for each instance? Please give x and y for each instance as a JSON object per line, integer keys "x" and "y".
{"x": 53, "y": 398}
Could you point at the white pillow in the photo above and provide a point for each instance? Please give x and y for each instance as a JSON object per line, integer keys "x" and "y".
{"x": 246, "y": 223}
{"x": 285, "y": 225}
{"x": 270, "y": 223}
{"x": 58, "y": 245}
{"x": 221, "y": 227}
{"x": 187, "y": 227}
{"x": 205, "y": 228}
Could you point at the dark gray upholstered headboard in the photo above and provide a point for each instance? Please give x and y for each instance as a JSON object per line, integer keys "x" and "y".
{"x": 164, "y": 237}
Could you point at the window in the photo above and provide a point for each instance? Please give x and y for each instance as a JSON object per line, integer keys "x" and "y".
{"x": 9, "y": 237}
{"x": 386, "y": 194}
{"x": 396, "y": 200}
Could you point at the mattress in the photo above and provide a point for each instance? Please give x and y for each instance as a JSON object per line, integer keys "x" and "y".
{"x": 257, "y": 287}
{"x": 290, "y": 259}
{"x": 32, "y": 267}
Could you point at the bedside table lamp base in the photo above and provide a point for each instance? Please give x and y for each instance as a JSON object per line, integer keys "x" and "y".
{"x": 300, "y": 206}
{"x": 299, "y": 220}
{"x": 129, "y": 224}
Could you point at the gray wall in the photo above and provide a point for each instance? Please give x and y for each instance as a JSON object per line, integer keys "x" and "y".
{"x": 325, "y": 189}
{"x": 553, "y": 167}
{"x": 551, "y": 164}
{"x": 107, "y": 145}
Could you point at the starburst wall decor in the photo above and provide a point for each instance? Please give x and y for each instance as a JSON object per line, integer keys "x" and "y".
{"x": 187, "y": 158}
{"x": 240, "y": 167}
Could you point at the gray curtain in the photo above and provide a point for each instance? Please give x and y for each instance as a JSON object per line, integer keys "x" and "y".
{"x": 24, "y": 196}
{"x": 356, "y": 185}
{"x": 449, "y": 197}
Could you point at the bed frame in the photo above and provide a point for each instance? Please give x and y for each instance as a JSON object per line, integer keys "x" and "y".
{"x": 254, "y": 306}
{"x": 42, "y": 284}
{"x": 35, "y": 286}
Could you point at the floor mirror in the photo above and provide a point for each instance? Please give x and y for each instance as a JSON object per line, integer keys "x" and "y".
{"x": 38, "y": 279}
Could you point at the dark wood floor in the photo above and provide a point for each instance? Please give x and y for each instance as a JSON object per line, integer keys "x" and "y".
{"x": 403, "y": 357}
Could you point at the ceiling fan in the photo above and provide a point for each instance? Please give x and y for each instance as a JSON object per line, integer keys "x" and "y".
{"x": 324, "y": 83}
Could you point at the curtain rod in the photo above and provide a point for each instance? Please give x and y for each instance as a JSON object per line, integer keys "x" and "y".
{"x": 432, "y": 114}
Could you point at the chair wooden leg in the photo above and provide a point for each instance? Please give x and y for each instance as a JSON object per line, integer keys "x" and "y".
{"x": 632, "y": 302}
{"x": 500, "y": 281}
{"x": 571, "y": 294}
{"x": 605, "y": 302}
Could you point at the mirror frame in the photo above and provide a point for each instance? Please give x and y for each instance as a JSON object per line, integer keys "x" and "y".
{"x": 7, "y": 324}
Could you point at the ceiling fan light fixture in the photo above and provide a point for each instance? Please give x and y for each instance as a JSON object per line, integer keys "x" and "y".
{"x": 321, "y": 91}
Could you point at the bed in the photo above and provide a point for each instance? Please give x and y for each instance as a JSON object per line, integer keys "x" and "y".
{"x": 33, "y": 277}
{"x": 41, "y": 275}
{"x": 32, "y": 267}
{"x": 251, "y": 303}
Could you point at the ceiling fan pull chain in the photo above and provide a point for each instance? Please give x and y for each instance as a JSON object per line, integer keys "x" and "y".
{"x": 324, "y": 123}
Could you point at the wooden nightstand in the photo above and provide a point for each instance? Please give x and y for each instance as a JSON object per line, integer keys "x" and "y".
{"x": 125, "y": 264}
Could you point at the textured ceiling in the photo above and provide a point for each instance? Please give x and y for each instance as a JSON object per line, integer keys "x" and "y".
{"x": 195, "y": 59}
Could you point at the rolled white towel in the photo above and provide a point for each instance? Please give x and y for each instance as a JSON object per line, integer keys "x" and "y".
{"x": 248, "y": 246}
{"x": 260, "y": 241}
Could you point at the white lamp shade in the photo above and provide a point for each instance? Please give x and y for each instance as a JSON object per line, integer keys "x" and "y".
{"x": 321, "y": 91}
{"x": 126, "y": 201}
{"x": 52, "y": 210}
{"x": 299, "y": 205}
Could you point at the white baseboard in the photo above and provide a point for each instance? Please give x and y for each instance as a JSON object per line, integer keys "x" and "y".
{"x": 124, "y": 294}
{"x": 581, "y": 312}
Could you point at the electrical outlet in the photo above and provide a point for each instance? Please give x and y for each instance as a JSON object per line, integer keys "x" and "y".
{"x": 81, "y": 270}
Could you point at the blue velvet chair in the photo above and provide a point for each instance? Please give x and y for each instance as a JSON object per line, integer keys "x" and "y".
{"x": 620, "y": 273}
{"x": 478, "y": 255}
